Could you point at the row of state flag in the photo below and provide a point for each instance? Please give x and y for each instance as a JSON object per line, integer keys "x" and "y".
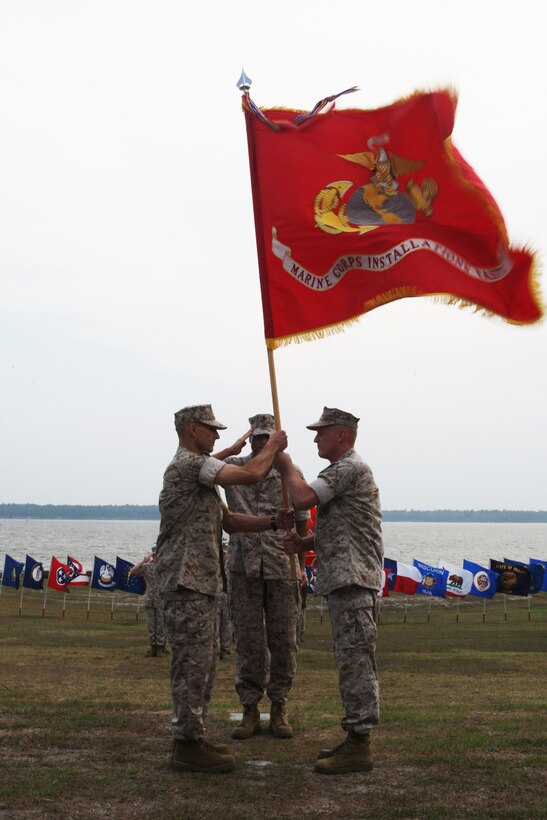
{"x": 448, "y": 580}
{"x": 63, "y": 576}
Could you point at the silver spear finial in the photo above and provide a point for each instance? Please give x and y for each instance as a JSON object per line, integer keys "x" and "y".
{"x": 244, "y": 82}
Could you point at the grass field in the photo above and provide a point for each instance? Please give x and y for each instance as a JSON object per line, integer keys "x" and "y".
{"x": 84, "y": 718}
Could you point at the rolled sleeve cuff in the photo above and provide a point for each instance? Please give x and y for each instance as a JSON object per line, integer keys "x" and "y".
{"x": 301, "y": 515}
{"x": 208, "y": 472}
{"x": 322, "y": 490}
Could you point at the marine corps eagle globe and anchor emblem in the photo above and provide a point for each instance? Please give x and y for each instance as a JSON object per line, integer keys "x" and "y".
{"x": 378, "y": 201}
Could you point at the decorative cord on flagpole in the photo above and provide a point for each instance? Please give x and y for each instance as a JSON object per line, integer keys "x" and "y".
{"x": 244, "y": 84}
{"x": 277, "y": 418}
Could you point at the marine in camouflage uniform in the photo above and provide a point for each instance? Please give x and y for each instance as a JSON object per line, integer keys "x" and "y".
{"x": 189, "y": 571}
{"x": 348, "y": 541}
{"x": 263, "y": 598}
{"x": 153, "y": 606}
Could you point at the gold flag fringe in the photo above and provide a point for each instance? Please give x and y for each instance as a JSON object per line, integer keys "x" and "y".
{"x": 406, "y": 292}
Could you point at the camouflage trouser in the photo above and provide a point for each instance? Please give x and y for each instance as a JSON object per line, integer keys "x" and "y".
{"x": 224, "y": 623}
{"x": 353, "y": 618}
{"x": 192, "y": 631}
{"x": 155, "y": 625}
{"x": 301, "y": 616}
{"x": 255, "y": 604}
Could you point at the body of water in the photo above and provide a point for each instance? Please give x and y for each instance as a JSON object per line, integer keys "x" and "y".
{"x": 403, "y": 541}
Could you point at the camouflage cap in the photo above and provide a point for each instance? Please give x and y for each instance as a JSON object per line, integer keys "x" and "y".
{"x": 332, "y": 415}
{"x": 262, "y": 425}
{"x": 202, "y": 413}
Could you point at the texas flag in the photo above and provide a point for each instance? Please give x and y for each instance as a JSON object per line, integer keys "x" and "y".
{"x": 402, "y": 577}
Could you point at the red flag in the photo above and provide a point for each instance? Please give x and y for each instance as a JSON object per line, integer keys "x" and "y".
{"x": 59, "y": 575}
{"x": 408, "y": 579}
{"x": 354, "y": 209}
{"x": 78, "y": 576}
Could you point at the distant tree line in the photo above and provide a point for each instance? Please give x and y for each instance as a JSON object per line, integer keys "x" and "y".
{"x": 136, "y": 512}
{"x": 468, "y": 516}
{"x": 125, "y": 512}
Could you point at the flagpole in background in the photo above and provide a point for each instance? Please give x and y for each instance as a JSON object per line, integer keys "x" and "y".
{"x": 529, "y": 607}
{"x": 88, "y": 602}
{"x": 64, "y": 605}
{"x": 21, "y": 600}
{"x": 44, "y": 605}
{"x": 406, "y": 609}
{"x": 484, "y": 611}
{"x": 112, "y": 609}
{"x": 504, "y": 607}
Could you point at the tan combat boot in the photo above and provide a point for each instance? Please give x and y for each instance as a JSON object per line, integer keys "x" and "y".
{"x": 279, "y": 724}
{"x": 219, "y": 748}
{"x": 250, "y": 725}
{"x": 352, "y": 756}
{"x": 330, "y": 752}
{"x": 198, "y": 756}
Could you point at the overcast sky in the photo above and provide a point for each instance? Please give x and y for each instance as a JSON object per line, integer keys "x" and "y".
{"x": 128, "y": 271}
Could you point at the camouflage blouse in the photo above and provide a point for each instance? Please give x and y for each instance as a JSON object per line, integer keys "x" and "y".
{"x": 348, "y": 536}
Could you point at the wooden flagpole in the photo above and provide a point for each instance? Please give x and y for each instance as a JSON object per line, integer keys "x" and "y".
{"x": 277, "y": 417}
{"x": 89, "y": 599}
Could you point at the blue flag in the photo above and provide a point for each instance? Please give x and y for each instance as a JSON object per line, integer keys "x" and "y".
{"x": 127, "y": 582}
{"x": 391, "y": 566}
{"x": 12, "y": 571}
{"x": 33, "y": 576}
{"x": 543, "y": 564}
{"x": 311, "y": 575}
{"x": 514, "y": 579}
{"x": 433, "y": 580}
{"x": 103, "y": 575}
{"x": 537, "y": 574}
{"x": 485, "y": 581}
